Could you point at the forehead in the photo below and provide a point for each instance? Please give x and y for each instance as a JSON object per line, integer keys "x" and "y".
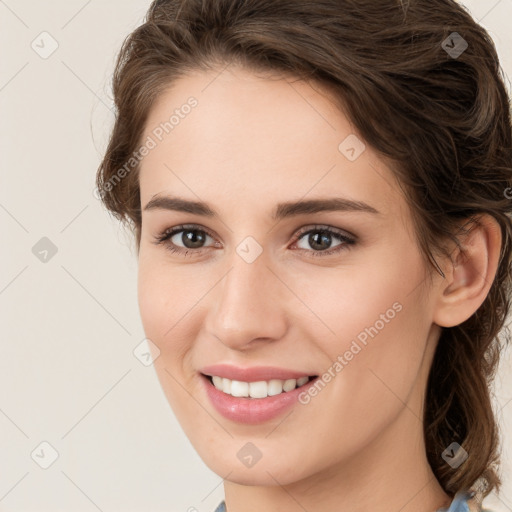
{"x": 257, "y": 139}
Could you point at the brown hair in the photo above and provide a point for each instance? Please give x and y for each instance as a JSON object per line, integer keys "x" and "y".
{"x": 441, "y": 117}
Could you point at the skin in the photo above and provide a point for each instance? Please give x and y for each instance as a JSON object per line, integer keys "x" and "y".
{"x": 254, "y": 141}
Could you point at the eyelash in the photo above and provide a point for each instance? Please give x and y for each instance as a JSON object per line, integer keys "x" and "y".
{"x": 165, "y": 236}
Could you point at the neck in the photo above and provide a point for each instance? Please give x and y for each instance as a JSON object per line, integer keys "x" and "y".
{"x": 391, "y": 473}
{"x": 404, "y": 483}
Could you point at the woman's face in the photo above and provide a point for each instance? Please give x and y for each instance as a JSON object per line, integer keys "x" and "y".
{"x": 292, "y": 255}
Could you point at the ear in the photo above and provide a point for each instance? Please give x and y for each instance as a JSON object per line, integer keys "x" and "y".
{"x": 469, "y": 273}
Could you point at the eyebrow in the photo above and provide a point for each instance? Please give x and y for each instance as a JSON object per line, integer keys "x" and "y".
{"x": 282, "y": 210}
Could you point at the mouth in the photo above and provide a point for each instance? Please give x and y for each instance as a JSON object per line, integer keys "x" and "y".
{"x": 253, "y": 401}
{"x": 257, "y": 390}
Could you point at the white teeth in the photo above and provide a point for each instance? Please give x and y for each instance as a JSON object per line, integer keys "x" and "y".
{"x": 302, "y": 381}
{"x": 289, "y": 384}
{"x": 275, "y": 387}
{"x": 217, "y": 381}
{"x": 259, "y": 389}
{"x": 239, "y": 388}
{"x": 226, "y": 386}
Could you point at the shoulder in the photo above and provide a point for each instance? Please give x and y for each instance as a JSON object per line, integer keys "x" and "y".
{"x": 462, "y": 502}
{"x": 465, "y": 501}
{"x": 221, "y": 507}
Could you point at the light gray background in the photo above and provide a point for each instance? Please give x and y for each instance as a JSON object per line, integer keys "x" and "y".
{"x": 69, "y": 326}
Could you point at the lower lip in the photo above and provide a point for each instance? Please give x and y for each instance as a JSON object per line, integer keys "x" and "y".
{"x": 252, "y": 410}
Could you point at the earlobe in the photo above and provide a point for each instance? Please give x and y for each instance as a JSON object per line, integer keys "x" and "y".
{"x": 470, "y": 273}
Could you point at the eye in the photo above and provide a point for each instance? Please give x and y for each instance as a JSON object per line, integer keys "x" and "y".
{"x": 184, "y": 239}
{"x": 320, "y": 239}
{"x": 192, "y": 239}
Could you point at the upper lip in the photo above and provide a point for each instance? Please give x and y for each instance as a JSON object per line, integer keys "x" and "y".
{"x": 253, "y": 373}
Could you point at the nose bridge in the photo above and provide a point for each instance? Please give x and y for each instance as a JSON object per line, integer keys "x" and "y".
{"x": 247, "y": 304}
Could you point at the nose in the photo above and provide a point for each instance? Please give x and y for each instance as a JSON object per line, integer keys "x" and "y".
{"x": 247, "y": 306}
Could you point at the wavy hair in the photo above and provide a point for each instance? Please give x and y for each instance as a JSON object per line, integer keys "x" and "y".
{"x": 435, "y": 108}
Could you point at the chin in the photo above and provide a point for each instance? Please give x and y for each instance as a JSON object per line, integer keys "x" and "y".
{"x": 271, "y": 469}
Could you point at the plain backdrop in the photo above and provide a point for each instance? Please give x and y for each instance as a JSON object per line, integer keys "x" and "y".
{"x": 84, "y": 424}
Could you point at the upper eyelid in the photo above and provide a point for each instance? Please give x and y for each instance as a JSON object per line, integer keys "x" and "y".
{"x": 170, "y": 232}
{"x": 331, "y": 229}
{"x": 188, "y": 227}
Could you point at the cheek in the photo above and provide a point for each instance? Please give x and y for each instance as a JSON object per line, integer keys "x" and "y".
{"x": 374, "y": 298}
{"x": 381, "y": 324}
{"x": 155, "y": 303}
{"x": 376, "y": 378}
{"x": 163, "y": 305}
{"x": 172, "y": 310}
{"x": 166, "y": 298}
{"x": 165, "y": 295}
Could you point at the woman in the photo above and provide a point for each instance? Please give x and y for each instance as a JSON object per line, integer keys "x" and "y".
{"x": 318, "y": 193}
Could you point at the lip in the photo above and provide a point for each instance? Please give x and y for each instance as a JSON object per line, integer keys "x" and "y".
{"x": 252, "y": 411}
{"x": 253, "y": 373}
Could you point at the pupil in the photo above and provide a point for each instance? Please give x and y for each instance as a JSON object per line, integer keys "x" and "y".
{"x": 316, "y": 240}
{"x": 192, "y": 239}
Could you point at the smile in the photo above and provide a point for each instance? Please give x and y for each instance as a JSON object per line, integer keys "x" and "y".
{"x": 253, "y": 395}
{"x": 259, "y": 389}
